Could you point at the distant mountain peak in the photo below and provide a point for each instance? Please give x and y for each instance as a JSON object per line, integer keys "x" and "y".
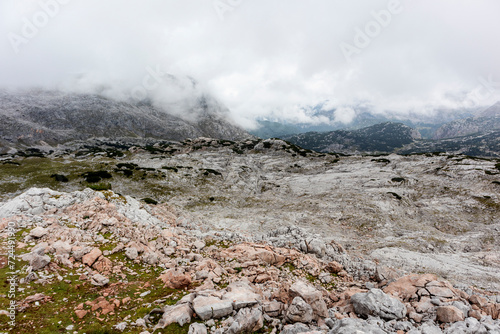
{"x": 493, "y": 111}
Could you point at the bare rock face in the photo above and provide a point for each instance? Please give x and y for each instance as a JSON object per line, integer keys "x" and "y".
{"x": 377, "y": 303}
{"x": 299, "y": 311}
{"x": 226, "y": 275}
{"x": 64, "y": 117}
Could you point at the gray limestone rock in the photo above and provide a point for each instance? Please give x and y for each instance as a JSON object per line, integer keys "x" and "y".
{"x": 355, "y": 326}
{"x": 299, "y": 311}
{"x": 212, "y": 307}
{"x": 377, "y": 303}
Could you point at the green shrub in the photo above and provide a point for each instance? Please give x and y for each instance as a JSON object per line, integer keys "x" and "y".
{"x": 100, "y": 186}
{"x": 59, "y": 178}
{"x": 398, "y": 179}
{"x": 395, "y": 195}
{"x": 211, "y": 171}
{"x": 94, "y": 177}
{"x": 150, "y": 200}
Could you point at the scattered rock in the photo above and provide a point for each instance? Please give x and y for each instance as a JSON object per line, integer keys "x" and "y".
{"x": 449, "y": 314}
{"x": 175, "y": 279}
{"x": 91, "y": 257}
{"x": 248, "y": 320}
{"x": 131, "y": 253}
{"x": 241, "y": 295}
{"x": 355, "y": 326}
{"x": 39, "y": 262}
{"x": 38, "y": 232}
{"x": 197, "y": 328}
{"x": 311, "y": 296}
{"x": 299, "y": 311}
{"x": 99, "y": 280}
{"x": 180, "y": 314}
{"x": 334, "y": 267}
{"x": 212, "y": 307}
{"x": 377, "y": 303}
{"x": 81, "y": 313}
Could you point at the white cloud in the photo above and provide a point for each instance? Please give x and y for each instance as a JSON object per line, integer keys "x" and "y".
{"x": 344, "y": 115}
{"x": 266, "y": 57}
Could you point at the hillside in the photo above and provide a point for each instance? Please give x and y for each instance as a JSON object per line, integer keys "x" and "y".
{"x": 29, "y": 118}
{"x": 485, "y": 121}
{"x": 385, "y": 137}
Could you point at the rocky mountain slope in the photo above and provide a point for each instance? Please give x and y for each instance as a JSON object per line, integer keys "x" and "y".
{"x": 29, "y": 118}
{"x": 486, "y": 121}
{"x": 384, "y": 137}
{"x": 485, "y": 144}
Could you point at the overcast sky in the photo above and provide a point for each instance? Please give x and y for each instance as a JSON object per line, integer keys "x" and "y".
{"x": 262, "y": 57}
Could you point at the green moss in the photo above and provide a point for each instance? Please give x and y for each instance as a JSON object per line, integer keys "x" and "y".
{"x": 311, "y": 278}
{"x": 291, "y": 268}
{"x": 175, "y": 329}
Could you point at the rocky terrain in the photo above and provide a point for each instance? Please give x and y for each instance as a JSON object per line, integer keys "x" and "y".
{"x": 254, "y": 236}
{"x": 89, "y": 260}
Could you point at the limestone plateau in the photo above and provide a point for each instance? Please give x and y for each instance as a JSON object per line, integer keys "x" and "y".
{"x": 254, "y": 236}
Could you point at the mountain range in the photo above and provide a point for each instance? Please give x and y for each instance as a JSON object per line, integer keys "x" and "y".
{"x": 51, "y": 117}
{"x": 48, "y": 118}
{"x": 325, "y": 119}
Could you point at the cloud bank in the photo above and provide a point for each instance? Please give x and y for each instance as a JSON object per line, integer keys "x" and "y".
{"x": 261, "y": 58}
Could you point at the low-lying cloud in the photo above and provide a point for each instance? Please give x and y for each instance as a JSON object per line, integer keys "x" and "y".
{"x": 260, "y": 58}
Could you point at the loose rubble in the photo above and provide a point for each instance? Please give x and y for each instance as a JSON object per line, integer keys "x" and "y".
{"x": 216, "y": 282}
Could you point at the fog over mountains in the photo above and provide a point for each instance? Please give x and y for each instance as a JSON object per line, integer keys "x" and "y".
{"x": 39, "y": 116}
